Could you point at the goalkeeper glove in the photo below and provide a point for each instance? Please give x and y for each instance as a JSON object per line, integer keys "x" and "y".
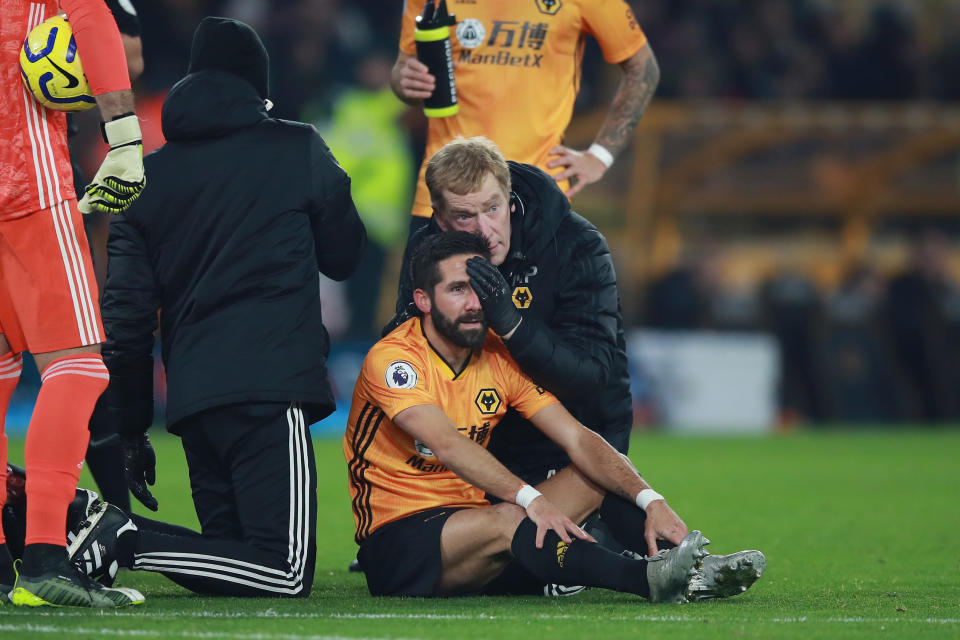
{"x": 120, "y": 179}
{"x": 494, "y": 295}
{"x": 140, "y": 467}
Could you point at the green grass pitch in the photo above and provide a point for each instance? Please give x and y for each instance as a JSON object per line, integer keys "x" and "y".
{"x": 860, "y": 529}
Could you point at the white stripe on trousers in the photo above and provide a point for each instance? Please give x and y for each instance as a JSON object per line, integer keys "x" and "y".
{"x": 70, "y": 251}
{"x": 257, "y": 576}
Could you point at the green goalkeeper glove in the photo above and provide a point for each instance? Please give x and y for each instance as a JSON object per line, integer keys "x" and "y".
{"x": 120, "y": 179}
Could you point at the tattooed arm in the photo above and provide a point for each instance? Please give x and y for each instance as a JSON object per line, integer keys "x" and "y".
{"x": 637, "y": 85}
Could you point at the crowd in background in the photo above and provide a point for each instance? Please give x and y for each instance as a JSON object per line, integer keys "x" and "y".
{"x": 751, "y": 49}
{"x": 873, "y": 349}
{"x": 812, "y": 49}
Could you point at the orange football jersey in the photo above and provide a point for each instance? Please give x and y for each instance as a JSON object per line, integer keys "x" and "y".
{"x": 392, "y": 475}
{"x": 35, "y": 171}
{"x": 518, "y": 70}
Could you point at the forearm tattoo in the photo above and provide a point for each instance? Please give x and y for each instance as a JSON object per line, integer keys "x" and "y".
{"x": 639, "y": 82}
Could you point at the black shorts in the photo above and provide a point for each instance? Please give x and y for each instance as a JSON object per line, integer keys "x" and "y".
{"x": 402, "y": 558}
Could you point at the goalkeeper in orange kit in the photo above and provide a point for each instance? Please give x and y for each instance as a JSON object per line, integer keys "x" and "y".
{"x": 48, "y": 295}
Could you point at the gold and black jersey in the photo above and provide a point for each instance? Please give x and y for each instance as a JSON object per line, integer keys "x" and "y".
{"x": 391, "y": 474}
{"x": 518, "y": 71}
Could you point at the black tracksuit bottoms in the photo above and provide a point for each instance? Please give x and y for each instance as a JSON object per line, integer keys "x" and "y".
{"x": 254, "y": 482}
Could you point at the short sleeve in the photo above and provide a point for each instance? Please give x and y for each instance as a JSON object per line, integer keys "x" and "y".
{"x": 523, "y": 394}
{"x": 411, "y": 9}
{"x": 395, "y": 380}
{"x": 614, "y": 26}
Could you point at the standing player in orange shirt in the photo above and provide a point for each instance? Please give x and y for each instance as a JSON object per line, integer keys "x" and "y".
{"x": 426, "y": 400}
{"x": 48, "y": 295}
{"x": 518, "y": 74}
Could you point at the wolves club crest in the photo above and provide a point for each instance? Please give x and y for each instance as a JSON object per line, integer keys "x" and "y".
{"x": 549, "y": 7}
{"x": 522, "y": 297}
{"x": 488, "y": 401}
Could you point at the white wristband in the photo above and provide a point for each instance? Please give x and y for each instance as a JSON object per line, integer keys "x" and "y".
{"x": 601, "y": 153}
{"x": 526, "y": 495}
{"x": 645, "y": 497}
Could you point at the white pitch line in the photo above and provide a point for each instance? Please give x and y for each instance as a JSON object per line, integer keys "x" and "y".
{"x": 270, "y": 613}
{"x": 145, "y": 633}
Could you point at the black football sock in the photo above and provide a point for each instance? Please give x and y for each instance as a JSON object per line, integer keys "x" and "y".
{"x": 577, "y": 563}
{"x": 626, "y": 522}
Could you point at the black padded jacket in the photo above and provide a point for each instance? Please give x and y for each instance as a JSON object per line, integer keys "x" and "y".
{"x": 239, "y": 215}
{"x": 571, "y": 339}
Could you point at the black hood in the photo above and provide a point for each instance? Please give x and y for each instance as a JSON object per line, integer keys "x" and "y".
{"x": 540, "y": 207}
{"x": 230, "y": 45}
{"x": 210, "y": 104}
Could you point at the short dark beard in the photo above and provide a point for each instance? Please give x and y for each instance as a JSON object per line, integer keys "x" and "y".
{"x": 450, "y": 329}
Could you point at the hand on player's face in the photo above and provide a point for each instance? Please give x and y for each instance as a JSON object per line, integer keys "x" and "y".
{"x": 485, "y": 210}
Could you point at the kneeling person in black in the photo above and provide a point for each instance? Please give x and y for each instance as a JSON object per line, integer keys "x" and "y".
{"x": 241, "y": 213}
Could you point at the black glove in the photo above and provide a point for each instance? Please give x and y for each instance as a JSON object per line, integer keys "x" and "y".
{"x": 495, "y": 296}
{"x": 140, "y": 467}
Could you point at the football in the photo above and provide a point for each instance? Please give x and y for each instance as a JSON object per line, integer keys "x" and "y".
{"x": 50, "y": 67}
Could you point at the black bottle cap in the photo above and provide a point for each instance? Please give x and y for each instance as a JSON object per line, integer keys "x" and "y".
{"x": 426, "y": 19}
{"x": 441, "y": 17}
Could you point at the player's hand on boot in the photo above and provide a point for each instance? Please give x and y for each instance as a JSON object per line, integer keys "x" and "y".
{"x": 140, "y": 467}
{"x": 662, "y": 524}
{"x": 120, "y": 179}
{"x": 548, "y": 517}
{"x": 495, "y": 296}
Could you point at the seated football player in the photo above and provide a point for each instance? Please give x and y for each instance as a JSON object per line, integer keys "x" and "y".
{"x": 427, "y": 398}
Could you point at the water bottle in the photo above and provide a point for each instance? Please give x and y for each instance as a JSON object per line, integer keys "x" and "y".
{"x": 432, "y": 36}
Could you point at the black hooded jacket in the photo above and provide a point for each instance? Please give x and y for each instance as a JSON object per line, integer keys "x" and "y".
{"x": 571, "y": 339}
{"x": 239, "y": 214}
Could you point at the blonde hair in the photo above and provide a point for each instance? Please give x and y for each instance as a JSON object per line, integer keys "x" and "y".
{"x": 462, "y": 165}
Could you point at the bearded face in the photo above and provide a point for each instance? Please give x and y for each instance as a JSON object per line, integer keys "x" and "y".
{"x": 452, "y": 328}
